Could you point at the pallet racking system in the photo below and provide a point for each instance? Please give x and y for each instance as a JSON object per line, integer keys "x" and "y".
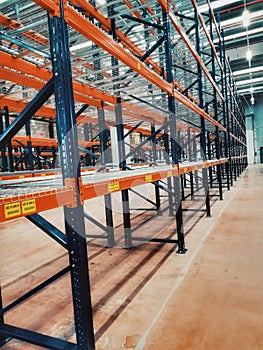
{"x": 124, "y": 66}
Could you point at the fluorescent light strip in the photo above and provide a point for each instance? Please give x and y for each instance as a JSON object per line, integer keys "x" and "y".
{"x": 239, "y": 19}
{"x": 81, "y": 46}
{"x": 249, "y": 90}
{"x": 249, "y": 81}
{"x": 242, "y": 34}
{"x": 217, "y": 4}
{"x": 248, "y": 70}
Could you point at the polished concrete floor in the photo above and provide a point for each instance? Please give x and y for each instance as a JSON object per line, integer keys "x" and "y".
{"x": 149, "y": 297}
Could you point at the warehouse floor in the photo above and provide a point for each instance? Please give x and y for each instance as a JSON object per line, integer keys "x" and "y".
{"x": 149, "y": 297}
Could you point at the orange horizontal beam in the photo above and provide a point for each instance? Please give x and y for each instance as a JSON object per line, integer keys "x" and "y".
{"x": 198, "y": 59}
{"x": 30, "y": 34}
{"x": 52, "y": 6}
{"x": 10, "y": 75}
{"x": 97, "y": 189}
{"x": 207, "y": 34}
{"x": 35, "y": 141}
{"x": 93, "y": 33}
{"x": 21, "y": 205}
{"x": 30, "y": 203}
{"x": 18, "y": 106}
{"x": 32, "y": 70}
{"x": 106, "y": 25}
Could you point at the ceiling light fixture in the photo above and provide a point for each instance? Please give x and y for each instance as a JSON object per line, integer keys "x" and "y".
{"x": 248, "y": 71}
{"x": 249, "y": 55}
{"x": 245, "y": 16}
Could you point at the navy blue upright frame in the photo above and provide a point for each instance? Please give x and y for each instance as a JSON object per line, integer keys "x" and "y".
{"x": 68, "y": 145}
{"x": 174, "y": 145}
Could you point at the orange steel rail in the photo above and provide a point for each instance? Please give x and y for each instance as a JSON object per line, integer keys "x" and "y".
{"x": 18, "y": 106}
{"x": 84, "y": 90}
{"x": 214, "y": 19}
{"x": 198, "y": 59}
{"x": 31, "y": 69}
{"x": 93, "y": 33}
{"x": 46, "y": 142}
{"x": 106, "y": 25}
{"x": 31, "y": 203}
{"x": 13, "y": 24}
{"x": 12, "y": 207}
{"x": 207, "y": 34}
{"x": 81, "y": 91}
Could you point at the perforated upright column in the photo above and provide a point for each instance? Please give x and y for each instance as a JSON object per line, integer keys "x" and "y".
{"x": 74, "y": 216}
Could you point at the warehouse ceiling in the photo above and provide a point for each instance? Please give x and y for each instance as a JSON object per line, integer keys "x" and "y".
{"x": 242, "y": 37}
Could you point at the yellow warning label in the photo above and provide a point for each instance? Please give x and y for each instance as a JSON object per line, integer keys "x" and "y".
{"x": 114, "y": 186}
{"x": 43, "y": 174}
{"x": 185, "y": 170}
{"x": 21, "y": 176}
{"x": 148, "y": 178}
{"x": 12, "y": 209}
{"x": 169, "y": 173}
{"x": 29, "y": 206}
{"x": 196, "y": 167}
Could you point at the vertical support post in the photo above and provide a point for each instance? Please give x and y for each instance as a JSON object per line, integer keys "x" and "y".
{"x": 104, "y": 139}
{"x": 69, "y": 156}
{"x": 3, "y": 149}
{"x": 124, "y": 193}
{"x": 3, "y": 339}
{"x": 215, "y": 102}
{"x": 29, "y": 146}
{"x": 195, "y": 158}
{"x": 203, "y": 129}
{"x": 209, "y": 154}
{"x": 167, "y": 159}
{"x": 154, "y": 158}
{"x": 153, "y": 142}
{"x": 174, "y": 145}
{"x": 39, "y": 165}
{"x": 9, "y": 144}
{"x": 53, "y": 149}
{"x": 190, "y": 158}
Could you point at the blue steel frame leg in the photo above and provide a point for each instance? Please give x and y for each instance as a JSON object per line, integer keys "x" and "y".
{"x": 10, "y": 162}
{"x": 215, "y": 102}
{"x": 203, "y": 129}
{"x": 3, "y": 149}
{"x": 124, "y": 193}
{"x": 29, "y": 146}
{"x": 174, "y": 145}
{"x": 154, "y": 155}
{"x": 103, "y": 135}
{"x": 69, "y": 156}
{"x": 3, "y": 339}
{"x": 169, "y": 180}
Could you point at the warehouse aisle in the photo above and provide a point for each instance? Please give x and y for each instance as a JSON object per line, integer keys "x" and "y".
{"x": 219, "y": 302}
{"x": 149, "y": 297}
{"x": 210, "y": 298}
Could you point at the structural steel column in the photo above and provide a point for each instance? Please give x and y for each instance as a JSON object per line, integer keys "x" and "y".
{"x": 3, "y": 149}
{"x": 124, "y": 193}
{"x": 215, "y": 102}
{"x": 105, "y": 158}
{"x": 74, "y": 216}
{"x": 9, "y": 144}
{"x": 203, "y": 129}
{"x": 174, "y": 145}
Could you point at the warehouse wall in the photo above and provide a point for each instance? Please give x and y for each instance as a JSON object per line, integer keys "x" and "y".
{"x": 254, "y": 124}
